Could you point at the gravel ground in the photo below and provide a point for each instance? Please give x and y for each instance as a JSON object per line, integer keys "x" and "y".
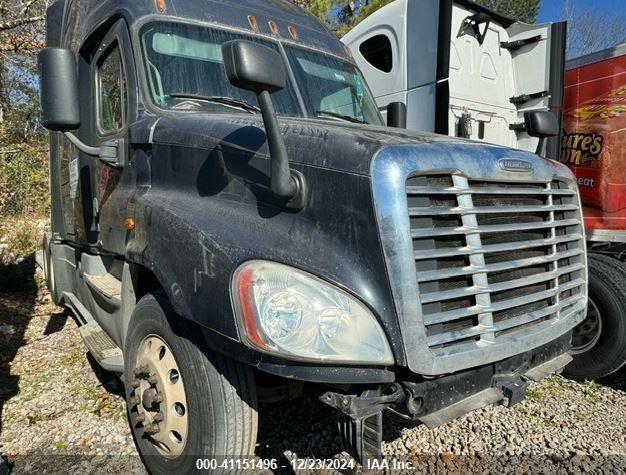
{"x": 61, "y": 413}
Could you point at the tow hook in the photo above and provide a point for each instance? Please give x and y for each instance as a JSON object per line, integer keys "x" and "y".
{"x": 514, "y": 392}
{"x": 368, "y": 403}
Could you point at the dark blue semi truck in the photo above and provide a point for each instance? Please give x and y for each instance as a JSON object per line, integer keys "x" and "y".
{"x": 231, "y": 216}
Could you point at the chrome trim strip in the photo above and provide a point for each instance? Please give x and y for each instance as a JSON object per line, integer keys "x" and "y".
{"x": 606, "y": 235}
{"x": 390, "y": 170}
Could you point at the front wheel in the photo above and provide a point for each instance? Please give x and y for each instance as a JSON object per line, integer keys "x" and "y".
{"x": 183, "y": 403}
{"x": 599, "y": 343}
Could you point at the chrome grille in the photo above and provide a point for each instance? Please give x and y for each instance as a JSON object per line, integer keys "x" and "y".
{"x": 493, "y": 260}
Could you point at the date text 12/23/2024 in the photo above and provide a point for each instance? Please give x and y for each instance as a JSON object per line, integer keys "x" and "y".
{"x": 299, "y": 464}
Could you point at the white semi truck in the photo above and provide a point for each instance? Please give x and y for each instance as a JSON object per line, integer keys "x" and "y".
{"x": 463, "y": 70}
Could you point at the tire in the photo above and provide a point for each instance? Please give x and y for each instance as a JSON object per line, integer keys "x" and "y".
{"x": 606, "y": 352}
{"x": 219, "y": 400}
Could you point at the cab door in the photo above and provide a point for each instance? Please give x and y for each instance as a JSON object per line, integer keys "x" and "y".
{"x": 113, "y": 86}
{"x": 538, "y": 55}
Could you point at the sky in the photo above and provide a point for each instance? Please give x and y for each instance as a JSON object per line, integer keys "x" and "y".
{"x": 551, "y": 10}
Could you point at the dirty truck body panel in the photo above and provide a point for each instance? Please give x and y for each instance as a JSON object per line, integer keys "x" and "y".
{"x": 469, "y": 258}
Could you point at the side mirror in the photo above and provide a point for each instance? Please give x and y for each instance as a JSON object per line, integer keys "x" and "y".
{"x": 60, "y": 110}
{"x": 261, "y": 69}
{"x": 541, "y": 124}
{"x": 254, "y": 67}
{"x": 396, "y": 115}
{"x": 59, "y": 89}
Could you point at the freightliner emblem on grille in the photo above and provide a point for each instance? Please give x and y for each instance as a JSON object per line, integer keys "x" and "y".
{"x": 515, "y": 165}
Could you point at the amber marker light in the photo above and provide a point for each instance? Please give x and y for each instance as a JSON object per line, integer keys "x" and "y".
{"x": 160, "y": 4}
{"x": 245, "y": 287}
{"x": 293, "y": 32}
{"x": 273, "y": 26}
{"x": 129, "y": 224}
{"x": 253, "y": 23}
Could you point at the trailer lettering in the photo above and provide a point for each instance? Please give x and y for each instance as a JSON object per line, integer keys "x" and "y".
{"x": 581, "y": 148}
{"x": 588, "y": 182}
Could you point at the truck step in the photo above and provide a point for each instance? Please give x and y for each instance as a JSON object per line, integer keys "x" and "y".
{"x": 102, "y": 348}
{"x": 106, "y": 285}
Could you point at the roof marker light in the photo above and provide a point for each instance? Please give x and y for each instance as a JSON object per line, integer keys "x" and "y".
{"x": 273, "y": 26}
{"x": 160, "y": 4}
{"x": 293, "y": 32}
{"x": 253, "y": 23}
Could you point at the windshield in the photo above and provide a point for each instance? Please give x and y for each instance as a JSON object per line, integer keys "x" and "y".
{"x": 185, "y": 71}
{"x": 332, "y": 87}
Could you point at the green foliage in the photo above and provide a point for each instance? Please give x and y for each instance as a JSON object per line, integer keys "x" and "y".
{"x": 24, "y": 180}
{"x": 24, "y": 196}
{"x": 351, "y": 17}
{"x": 521, "y": 10}
{"x": 351, "y": 13}
{"x": 320, "y": 8}
{"x": 19, "y": 238}
{"x": 24, "y": 200}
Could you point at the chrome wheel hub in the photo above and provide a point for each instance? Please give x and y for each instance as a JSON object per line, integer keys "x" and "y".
{"x": 587, "y": 334}
{"x": 158, "y": 404}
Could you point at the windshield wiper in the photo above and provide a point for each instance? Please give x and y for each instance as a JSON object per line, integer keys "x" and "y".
{"x": 336, "y": 115}
{"x": 227, "y": 101}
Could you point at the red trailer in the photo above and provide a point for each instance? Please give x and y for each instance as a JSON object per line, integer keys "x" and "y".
{"x": 594, "y": 146}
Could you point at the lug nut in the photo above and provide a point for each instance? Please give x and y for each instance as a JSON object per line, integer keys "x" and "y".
{"x": 152, "y": 429}
{"x": 158, "y": 398}
{"x": 153, "y": 380}
{"x": 134, "y": 401}
{"x": 136, "y": 383}
{"x": 140, "y": 418}
{"x": 159, "y": 417}
{"x": 141, "y": 371}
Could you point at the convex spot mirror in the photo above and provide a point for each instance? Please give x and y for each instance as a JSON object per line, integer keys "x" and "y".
{"x": 59, "y": 89}
{"x": 541, "y": 124}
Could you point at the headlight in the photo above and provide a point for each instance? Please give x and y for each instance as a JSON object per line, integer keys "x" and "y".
{"x": 291, "y": 313}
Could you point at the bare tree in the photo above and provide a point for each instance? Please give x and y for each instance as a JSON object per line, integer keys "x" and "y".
{"x": 21, "y": 36}
{"x": 590, "y": 29}
{"x": 522, "y": 10}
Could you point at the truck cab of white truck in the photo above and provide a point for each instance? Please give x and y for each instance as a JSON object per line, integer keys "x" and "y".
{"x": 463, "y": 70}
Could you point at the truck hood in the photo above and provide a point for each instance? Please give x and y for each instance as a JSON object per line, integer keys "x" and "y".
{"x": 338, "y": 146}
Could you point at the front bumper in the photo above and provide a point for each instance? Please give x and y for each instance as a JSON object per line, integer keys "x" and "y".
{"x": 439, "y": 400}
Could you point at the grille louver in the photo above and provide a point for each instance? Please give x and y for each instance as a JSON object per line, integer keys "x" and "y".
{"x": 493, "y": 260}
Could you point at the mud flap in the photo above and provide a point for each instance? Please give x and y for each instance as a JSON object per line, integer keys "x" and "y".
{"x": 362, "y": 437}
